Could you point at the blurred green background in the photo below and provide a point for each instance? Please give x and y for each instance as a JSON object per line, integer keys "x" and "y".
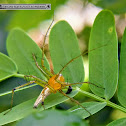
{"x": 80, "y": 14}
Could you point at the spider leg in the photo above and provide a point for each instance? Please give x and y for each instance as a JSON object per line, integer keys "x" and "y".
{"x": 42, "y": 61}
{"x": 74, "y": 101}
{"x": 79, "y": 56}
{"x": 69, "y": 84}
{"x": 45, "y": 41}
{"x": 44, "y": 93}
{"x": 44, "y": 72}
{"x": 26, "y": 84}
{"x": 37, "y": 80}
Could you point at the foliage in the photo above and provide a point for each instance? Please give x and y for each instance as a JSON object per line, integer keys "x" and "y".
{"x": 121, "y": 85}
{"x": 103, "y": 69}
{"x": 63, "y": 47}
{"x": 53, "y": 117}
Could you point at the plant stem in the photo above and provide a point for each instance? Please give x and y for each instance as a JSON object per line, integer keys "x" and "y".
{"x": 19, "y": 75}
{"x": 109, "y": 103}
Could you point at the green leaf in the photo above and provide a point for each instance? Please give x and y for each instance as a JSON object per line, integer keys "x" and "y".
{"x": 103, "y": 60}
{"x": 63, "y": 45}
{"x": 26, "y": 108}
{"x": 52, "y": 117}
{"x": 116, "y": 6}
{"x": 7, "y": 67}
{"x": 119, "y": 122}
{"x": 92, "y": 107}
{"x": 122, "y": 72}
{"x": 20, "y": 48}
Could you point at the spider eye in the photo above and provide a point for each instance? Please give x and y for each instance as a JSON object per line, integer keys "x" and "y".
{"x": 60, "y": 75}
